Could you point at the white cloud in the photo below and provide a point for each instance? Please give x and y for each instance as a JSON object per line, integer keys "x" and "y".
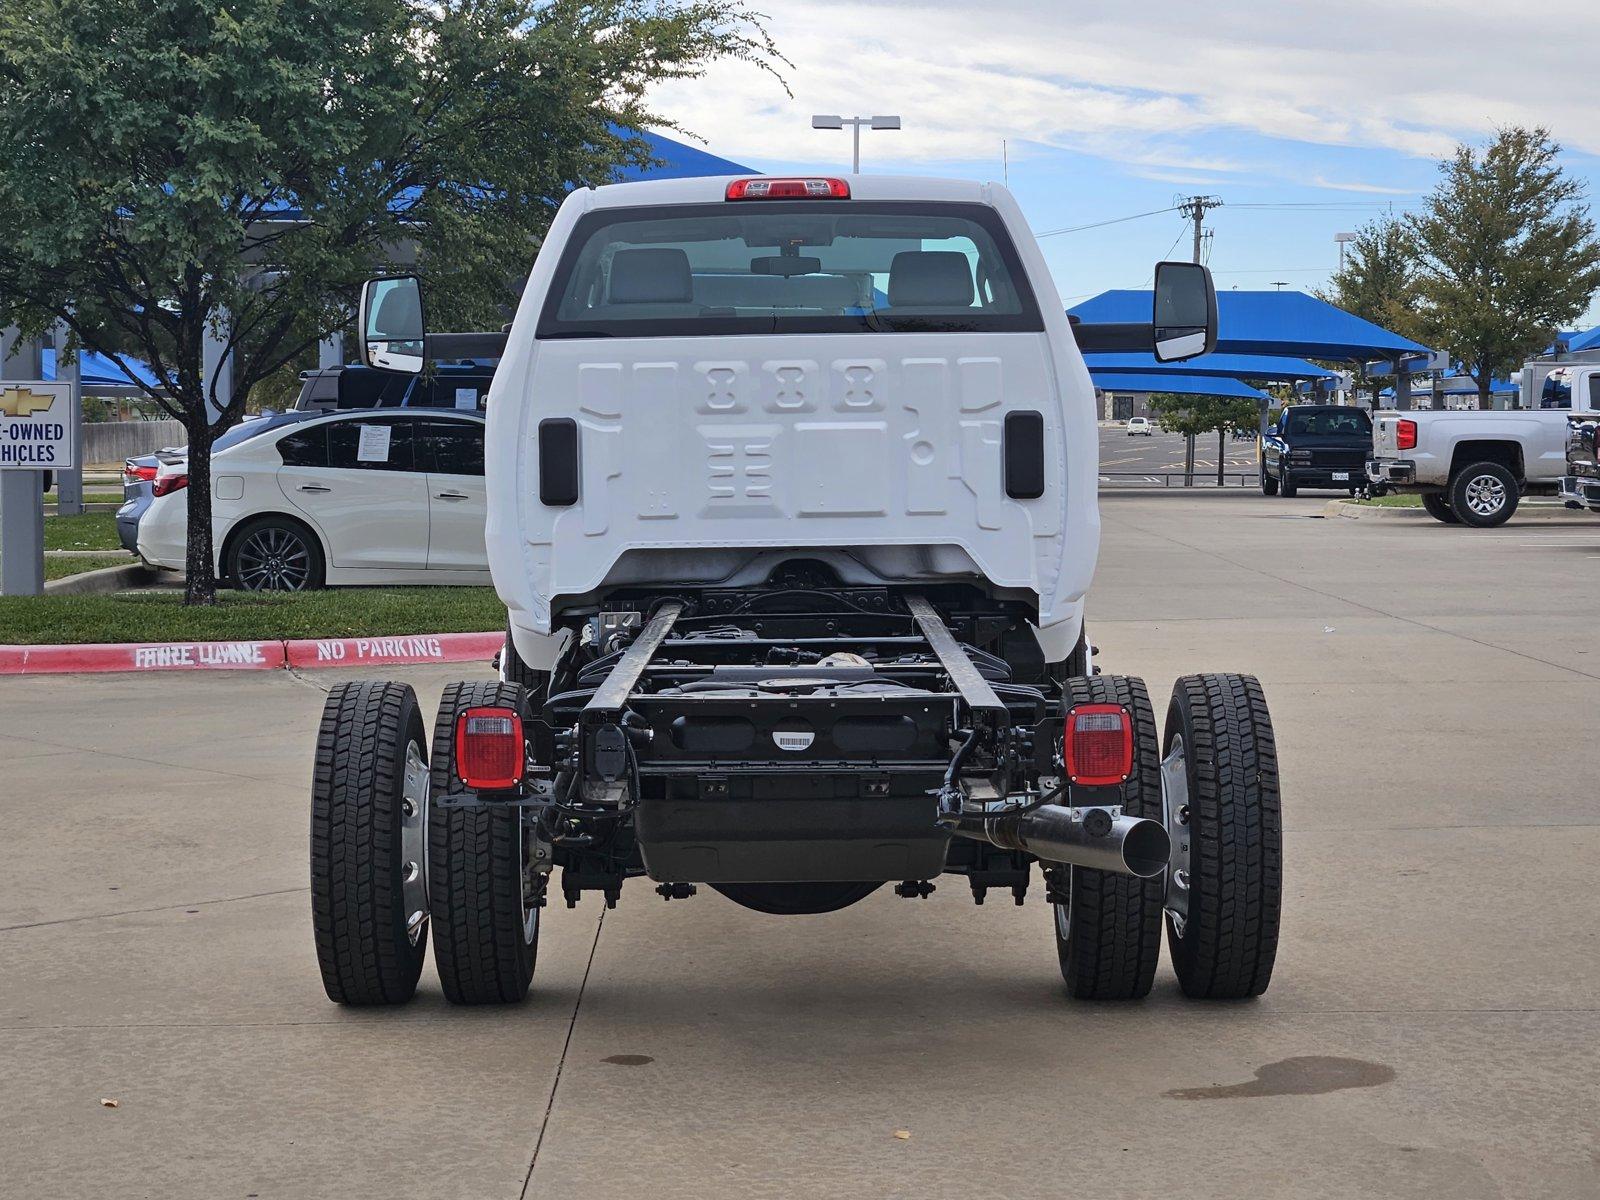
{"x": 1124, "y": 81}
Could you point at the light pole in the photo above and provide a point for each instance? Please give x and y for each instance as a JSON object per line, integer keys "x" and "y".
{"x": 1343, "y": 239}
{"x": 832, "y": 121}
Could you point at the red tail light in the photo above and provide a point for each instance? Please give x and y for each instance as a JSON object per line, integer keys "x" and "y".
{"x": 1097, "y": 745}
{"x": 169, "y": 483}
{"x": 489, "y": 748}
{"x": 789, "y": 189}
{"x": 138, "y": 472}
{"x": 1405, "y": 435}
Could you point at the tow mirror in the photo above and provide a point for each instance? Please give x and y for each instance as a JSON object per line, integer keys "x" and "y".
{"x": 1185, "y": 316}
{"x": 393, "y": 334}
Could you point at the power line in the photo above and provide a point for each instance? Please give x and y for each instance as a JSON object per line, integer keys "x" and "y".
{"x": 1154, "y": 212}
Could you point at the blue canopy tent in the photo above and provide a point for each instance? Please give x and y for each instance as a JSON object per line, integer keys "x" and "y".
{"x": 1236, "y": 366}
{"x": 1584, "y": 341}
{"x": 681, "y": 161}
{"x": 1174, "y": 381}
{"x": 1290, "y": 324}
{"x": 99, "y": 375}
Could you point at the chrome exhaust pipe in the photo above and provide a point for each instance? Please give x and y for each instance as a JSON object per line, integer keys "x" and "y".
{"x": 1084, "y": 837}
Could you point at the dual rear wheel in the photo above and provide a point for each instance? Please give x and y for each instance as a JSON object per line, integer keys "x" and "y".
{"x": 389, "y": 864}
{"x": 1221, "y": 896}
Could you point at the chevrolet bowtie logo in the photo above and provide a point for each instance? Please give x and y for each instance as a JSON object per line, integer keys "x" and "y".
{"x": 23, "y": 402}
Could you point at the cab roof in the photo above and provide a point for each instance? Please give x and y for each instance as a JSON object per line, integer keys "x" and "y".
{"x": 711, "y": 189}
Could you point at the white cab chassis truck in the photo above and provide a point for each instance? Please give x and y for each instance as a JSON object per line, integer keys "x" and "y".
{"x": 1472, "y": 467}
{"x": 792, "y": 505}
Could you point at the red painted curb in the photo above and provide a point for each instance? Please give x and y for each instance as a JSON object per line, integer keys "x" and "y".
{"x": 247, "y": 655}
{"x": 142, "y": 656}
{"x": 432, "y": 647}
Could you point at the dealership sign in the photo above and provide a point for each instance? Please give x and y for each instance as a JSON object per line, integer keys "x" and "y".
{"x": 35, "y": 426}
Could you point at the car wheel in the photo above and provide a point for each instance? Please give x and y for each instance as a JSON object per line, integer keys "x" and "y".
{"x": 1483, "y": 495}
{"x": 1269, "y": 485}
{"x": 1108, "y": 926}
{"x": 1438, "y": 507}
{"x": 275, "y": 554}
{"x": 1289, "y": 489}
{"x": 369, "y": 812}
{"x": 1225, "y": 885}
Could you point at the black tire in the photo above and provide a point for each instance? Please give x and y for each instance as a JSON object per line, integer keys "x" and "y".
{"x": 368, "y": 947}
{"x": 1437, "y": 506}
{"x": 1269, "y": 485}
{"x": 1227, "y": 943}
{"x": 514, "y": 670}
{"x": 275, "y": 554}
{"x": 485, "y": 940}
{"x": 1108, "y": 933}
{"x": 796, "y": 899}
{"x": 1483, "y": 495}
{"x": 1289, "y": 489}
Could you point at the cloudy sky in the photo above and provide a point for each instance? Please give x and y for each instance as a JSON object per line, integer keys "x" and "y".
{"x": 1323, "y": 115}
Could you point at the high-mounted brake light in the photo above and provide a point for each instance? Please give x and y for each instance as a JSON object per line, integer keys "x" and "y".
{"x": 490, "y": 755}
{"x": 815, "y": 188}
{"x": 1405, "y": 435}
{"x": 169, "y": 483}
{"x": 1097, "y": 745}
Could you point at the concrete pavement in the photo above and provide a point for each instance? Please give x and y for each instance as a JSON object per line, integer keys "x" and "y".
{"x": 1430, "y": 1030}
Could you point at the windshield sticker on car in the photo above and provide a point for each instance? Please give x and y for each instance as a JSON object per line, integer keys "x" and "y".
{"x": 467, "y": 399}
{"x": 374, "y": 444}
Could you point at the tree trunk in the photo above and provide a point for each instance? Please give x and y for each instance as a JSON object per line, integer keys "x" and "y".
{"x": 1485, "y": 401}
{"x": 1188, "y": 461}
{"x": 200, "y": 578}
{"x": 1222, "y": 452}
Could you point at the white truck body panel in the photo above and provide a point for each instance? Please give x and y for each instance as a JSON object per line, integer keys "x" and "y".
{"x": 704, "y": 457}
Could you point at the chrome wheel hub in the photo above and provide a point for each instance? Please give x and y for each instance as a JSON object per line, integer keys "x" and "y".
{"x": 1175, "y": 804}
{"x": 1485, "y": 495}
{"x": 414, "y": 842}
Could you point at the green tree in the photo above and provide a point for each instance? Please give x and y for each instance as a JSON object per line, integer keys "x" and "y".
{"x": 169, "y": 167}
{"x": 1507, "y": 254}
{"x": 1377, "y": 278}
{"x": 1194, "y": 415}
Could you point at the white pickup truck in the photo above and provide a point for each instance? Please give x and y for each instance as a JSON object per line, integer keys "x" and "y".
{"x": 1472, "y": 467}
{"x": 792, "y": 502}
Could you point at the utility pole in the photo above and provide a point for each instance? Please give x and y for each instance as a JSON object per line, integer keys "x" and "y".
{"x": 1194, "y": 209}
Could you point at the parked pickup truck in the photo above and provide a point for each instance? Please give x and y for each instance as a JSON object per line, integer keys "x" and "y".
{"x": 1471, "y": 468}
{"x": 1580, "y": 486}
{"x": 1315, "y": 445}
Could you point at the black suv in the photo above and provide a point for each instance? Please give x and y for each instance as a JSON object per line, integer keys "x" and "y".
{"x": 1316, "y": 445}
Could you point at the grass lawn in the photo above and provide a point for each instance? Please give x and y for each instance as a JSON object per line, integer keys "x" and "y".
{"x": 87, "y": 531}
{"x": 1394, "y": 500}
{"x": 76, "y": 564}
{"x": 335, "y": 612}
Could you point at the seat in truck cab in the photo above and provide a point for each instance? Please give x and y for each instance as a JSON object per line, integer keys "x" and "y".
{"x": 930, "y": 279}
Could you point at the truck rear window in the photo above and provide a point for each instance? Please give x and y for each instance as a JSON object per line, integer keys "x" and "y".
{"x": 803, "y": 267}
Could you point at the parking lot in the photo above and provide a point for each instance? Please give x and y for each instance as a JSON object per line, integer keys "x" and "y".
{"x": 1429, "y": 1032}
{"x": 1139, "y": 460}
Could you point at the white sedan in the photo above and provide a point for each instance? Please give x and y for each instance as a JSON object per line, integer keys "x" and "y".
{"x": 1140, "y": 426}
{"x": 351, "y": 498}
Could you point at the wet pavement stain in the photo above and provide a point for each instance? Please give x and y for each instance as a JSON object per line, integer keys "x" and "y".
{"x": 1304, "y": 1075}
{"x": 628, "y": 1060}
